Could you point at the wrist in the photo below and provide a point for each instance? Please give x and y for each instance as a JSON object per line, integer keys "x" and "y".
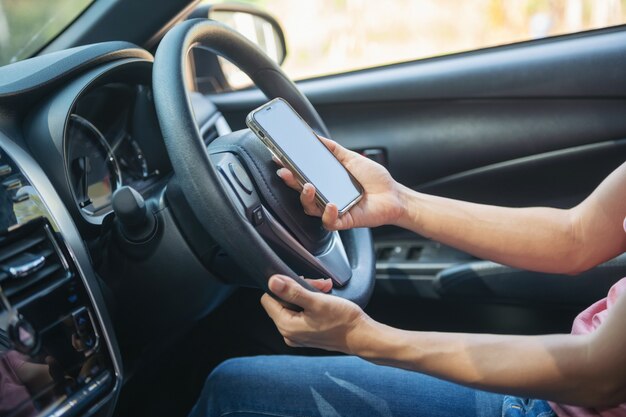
{"x": 367, "y": 339}
{"x": 385, "y": 345}
{"x": 408, "y": 217}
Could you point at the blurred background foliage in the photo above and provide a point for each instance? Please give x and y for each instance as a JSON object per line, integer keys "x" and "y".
{"x": 28, "y": 25}
{"x": 332, "y": 36}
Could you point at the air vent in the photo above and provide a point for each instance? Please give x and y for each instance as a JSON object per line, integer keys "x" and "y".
{"x": 209, "y": 135}
{"x": 30, "y": 262}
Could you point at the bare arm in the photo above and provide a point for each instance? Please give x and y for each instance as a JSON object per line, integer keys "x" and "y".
{"x": 584, "y": 370}
{"x": 537, "y": 238}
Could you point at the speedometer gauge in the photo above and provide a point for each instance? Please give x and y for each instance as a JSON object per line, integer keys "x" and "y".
{"x": 93, "y": 171}
{"x": 130, "y": 157}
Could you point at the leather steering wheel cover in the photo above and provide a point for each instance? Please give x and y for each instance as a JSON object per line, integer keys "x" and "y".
{"x": 199, "y": 180}
{"x": 264, "y": 72}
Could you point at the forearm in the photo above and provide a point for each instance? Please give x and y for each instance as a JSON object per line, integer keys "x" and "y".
{"x": 538, "y": 238}
{"x": 552, "y": 367}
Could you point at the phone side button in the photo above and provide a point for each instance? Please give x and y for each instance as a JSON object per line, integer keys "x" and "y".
{"x": 257, "y": 216}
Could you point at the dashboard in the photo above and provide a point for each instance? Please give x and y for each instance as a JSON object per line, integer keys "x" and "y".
{"x": 81, "y": 304}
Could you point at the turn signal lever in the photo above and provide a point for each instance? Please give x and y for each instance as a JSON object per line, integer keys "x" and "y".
{"x": 136, "y": 222}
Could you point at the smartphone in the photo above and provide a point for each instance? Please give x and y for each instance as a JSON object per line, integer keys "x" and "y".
{"x": 297, "y": 146}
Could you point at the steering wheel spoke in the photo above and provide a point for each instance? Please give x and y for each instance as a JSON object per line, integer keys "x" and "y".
{"x": 332, "y": 263}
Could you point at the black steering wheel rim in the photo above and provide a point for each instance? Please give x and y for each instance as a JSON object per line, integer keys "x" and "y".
{"x": 198, "y": 178}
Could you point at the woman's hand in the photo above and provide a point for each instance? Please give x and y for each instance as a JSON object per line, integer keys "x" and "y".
{"x": 325, "y": 322}
{"x": 381, "y": 202}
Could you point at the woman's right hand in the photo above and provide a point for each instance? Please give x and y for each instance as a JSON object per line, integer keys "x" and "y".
{"x": 381, "y": 202}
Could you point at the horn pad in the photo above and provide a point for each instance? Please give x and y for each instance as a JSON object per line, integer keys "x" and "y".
{"x": 283, "y": 201}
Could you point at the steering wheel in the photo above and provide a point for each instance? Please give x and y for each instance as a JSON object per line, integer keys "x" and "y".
{"x": 231, "y": 185}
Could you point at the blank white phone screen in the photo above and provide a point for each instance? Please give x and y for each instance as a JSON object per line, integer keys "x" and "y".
{"x": 315, "y": 161}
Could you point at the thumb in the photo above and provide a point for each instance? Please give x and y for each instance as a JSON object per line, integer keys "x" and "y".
{"x": 289, "y": 290}
{"x": 341, "y": 153}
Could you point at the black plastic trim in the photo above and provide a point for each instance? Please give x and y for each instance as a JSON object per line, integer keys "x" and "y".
{"x": 45, "y": 72}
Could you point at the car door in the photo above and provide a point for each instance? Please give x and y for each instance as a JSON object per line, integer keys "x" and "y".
{"x": 537, "y": 123}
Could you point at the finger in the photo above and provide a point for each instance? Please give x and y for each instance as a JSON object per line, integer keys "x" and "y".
{"x": 307, "y": 198}
{"x": 309, "y": 201}
{"x": 289, "y": 179}
{"x": 275, "y": 310}
{"x": 341, "y": 153}
{"x": 324, "y": 285}
{"x": 289, "y": 290}
{"x": 330, "y": 217}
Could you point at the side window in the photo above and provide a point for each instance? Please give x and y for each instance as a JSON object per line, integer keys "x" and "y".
{"x": 327, "y": 37}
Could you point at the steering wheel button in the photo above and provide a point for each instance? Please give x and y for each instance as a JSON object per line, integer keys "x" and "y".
{"x": 257, "y": 216}
{"x": 241, "y": 177}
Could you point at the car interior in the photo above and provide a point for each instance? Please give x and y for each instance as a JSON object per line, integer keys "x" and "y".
{"x": 141, "y": 218}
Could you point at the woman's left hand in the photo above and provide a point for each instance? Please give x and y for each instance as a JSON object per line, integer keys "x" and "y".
{"x": 325, "y": 322}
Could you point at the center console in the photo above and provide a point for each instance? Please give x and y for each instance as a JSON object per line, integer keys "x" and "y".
{"x": 54, "y": 355}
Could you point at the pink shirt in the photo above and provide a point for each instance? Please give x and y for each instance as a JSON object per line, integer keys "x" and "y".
{"x": 587, "y": 322}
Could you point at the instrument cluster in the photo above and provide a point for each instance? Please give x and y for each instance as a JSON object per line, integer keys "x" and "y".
{"x": 109, "y": 139}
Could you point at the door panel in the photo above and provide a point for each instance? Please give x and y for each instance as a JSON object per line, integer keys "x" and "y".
{"x": 561, "y": 178}
{"x": 427, "y": 141}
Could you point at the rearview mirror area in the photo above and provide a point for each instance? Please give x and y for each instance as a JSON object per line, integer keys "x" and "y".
{"x": 259, "y": 27}
{"x": 216, "y": 74}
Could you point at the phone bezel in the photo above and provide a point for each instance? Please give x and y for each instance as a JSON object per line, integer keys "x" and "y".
{"x": 275, "y": 148}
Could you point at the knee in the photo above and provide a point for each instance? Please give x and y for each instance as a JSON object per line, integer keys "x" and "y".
{"x": 219, "y": 386}
{"x": 227, "y": 377}
{"x": 243, "y": 384}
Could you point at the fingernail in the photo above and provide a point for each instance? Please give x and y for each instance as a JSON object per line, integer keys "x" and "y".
{"x": 279, "y": 172}
{"x": 277, "y": 284}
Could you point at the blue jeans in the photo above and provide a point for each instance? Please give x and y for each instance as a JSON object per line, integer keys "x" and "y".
{"x": 299, "y": 386}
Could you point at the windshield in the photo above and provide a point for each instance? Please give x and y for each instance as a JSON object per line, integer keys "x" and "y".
{"x": 26, "y": 26}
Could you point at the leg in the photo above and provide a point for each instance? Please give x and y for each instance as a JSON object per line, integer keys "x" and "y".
{"x": 298, "y": 386}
